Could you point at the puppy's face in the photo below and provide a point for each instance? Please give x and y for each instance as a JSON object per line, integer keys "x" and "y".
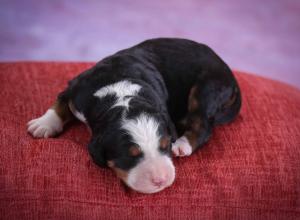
{"x": 139, "y": 151}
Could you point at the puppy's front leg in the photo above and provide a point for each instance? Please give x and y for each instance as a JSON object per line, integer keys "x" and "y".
{"x": 197, "y": 128}
{"x": 52, "y": 122}
{"x": 194, "y": 136}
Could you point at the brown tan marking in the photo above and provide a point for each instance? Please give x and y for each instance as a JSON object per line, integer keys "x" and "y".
{"x": 119, "y": 172}
{"x": 193, "y": 102}
{"x": 194, "y": 131}
{"x": 164, "y": 142}
{"x": 62, "y": 110}
{"x": 135, "y": 150}
{"x": 192, "y": 123}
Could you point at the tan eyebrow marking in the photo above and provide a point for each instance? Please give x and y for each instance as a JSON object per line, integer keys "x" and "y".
{"x": 164, "y": 142}
{"x": 135, "y": 150}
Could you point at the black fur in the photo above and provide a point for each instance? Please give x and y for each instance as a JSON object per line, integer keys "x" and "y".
{"x": 166, "y": 69}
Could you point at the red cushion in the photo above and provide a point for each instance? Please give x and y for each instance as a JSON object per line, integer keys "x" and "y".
{"x": 250, "y": 169}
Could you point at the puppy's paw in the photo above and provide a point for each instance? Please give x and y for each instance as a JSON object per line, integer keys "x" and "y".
{"x": 182, "y": 147}
{"x": 48, "y": 125}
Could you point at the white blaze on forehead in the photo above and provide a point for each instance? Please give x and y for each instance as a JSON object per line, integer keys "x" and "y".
{"x": 123, "y": 90}
{"x": 154, "y": 167}
{"x": 144, "y": 131}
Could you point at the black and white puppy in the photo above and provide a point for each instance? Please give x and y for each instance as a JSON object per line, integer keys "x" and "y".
{"x": 137, "y": 101}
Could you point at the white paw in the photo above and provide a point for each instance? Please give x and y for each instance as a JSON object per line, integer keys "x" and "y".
{"x": 182, "y": 147}
{"x": 48, "y": 125}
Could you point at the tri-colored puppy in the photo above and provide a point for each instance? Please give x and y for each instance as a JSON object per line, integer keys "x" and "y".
{"x": 136, "y": 102}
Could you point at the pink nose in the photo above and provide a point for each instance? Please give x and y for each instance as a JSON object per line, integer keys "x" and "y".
{"x": 159, "y": 181}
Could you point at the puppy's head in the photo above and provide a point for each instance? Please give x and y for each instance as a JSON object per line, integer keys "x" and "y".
{"x": 138, "y": 149}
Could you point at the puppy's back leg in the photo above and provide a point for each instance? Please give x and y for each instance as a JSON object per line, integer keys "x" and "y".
{"x": 52, "y": 122}
{"x": 203, "y": 114}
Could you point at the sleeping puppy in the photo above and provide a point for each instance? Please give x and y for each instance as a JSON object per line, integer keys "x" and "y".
{"x": 139, "y": 100}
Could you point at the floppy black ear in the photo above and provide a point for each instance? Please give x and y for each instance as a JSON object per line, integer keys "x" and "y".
{"x": 97, "y": 152}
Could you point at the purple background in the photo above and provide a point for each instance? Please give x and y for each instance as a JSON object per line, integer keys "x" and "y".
{"x": 257, "y": 36}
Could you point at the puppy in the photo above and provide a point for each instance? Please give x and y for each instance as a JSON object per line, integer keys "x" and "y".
{"x": 139, "y": 100}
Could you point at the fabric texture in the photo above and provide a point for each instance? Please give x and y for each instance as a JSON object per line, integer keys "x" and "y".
{"x": 250, "y": 168}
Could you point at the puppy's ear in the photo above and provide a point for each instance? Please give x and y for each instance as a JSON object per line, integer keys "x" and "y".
{"x": 97, "y": 152}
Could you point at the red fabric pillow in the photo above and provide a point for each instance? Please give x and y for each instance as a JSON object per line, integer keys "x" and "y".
{"x": 250, "y": 169}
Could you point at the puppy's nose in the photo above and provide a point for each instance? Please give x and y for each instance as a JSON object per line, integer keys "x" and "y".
{"x": 158, "y": 181}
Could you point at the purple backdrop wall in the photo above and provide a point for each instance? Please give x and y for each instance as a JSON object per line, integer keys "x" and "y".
{"x": 255, "y": 36}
